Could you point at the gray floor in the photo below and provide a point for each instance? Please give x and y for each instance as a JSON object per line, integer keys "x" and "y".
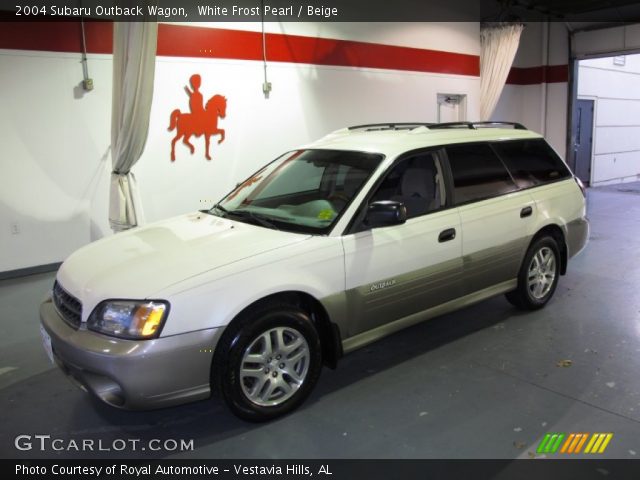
{"x": 484, "y": 382}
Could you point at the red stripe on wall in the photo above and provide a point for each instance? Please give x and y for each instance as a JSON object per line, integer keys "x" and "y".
{"x": 538, "y": 75}
{"x": 180, "y": 41}
{"x": 186, "y": 41}
{"x": 56, "y": 36}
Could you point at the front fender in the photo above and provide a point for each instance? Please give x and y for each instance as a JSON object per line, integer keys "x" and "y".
{"x": 314, "y": 267}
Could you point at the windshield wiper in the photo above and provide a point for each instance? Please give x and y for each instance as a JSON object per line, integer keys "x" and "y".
{"x": 248, "y": 214}
{"x": 217, "y": 206}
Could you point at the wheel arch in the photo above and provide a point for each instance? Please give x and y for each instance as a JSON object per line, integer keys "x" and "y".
{"x": 557, "y": 233}
{"x": 329, "y": 332}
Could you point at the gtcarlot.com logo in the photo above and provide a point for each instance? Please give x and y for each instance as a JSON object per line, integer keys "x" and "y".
{"x": 45, "y": 443}
{"x": 574, "y": 443}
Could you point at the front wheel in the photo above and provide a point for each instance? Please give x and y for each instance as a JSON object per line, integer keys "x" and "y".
{"x": 538, "y": 276}
{"x": 267, "y": 362}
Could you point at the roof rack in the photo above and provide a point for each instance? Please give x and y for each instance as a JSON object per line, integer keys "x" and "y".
{"x": 475, "y": 125}
{"x": 435, "y": 126}
{"x": 391, "y": 126}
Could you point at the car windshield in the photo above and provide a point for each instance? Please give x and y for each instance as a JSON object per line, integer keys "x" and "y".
{"x": 301, "y": 191}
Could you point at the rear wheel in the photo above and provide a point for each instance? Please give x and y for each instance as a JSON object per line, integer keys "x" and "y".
{"x": 538, "y": 276}
{"x": 267, "y": 362}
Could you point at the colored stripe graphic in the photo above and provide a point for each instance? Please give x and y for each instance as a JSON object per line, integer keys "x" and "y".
{"x": 556, "y": 444}
{"x": 598, "y": 443}
{"x": 581, "y": 443}
{"x": 543, "y": 444}
{"x": 568, "y": 443}
{"x": 550, "y": 443}
{"x": 605, "y": 443}
{"x": 573, "y": 443}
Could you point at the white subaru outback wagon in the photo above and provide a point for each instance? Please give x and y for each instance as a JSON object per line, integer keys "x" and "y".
{"x": 328, "y": 248}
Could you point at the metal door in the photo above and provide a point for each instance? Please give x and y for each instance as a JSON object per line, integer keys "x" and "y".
{"x": 583, "y": 145}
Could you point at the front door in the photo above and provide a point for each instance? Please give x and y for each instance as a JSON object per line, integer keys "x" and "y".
{"x": 396, "y": 271}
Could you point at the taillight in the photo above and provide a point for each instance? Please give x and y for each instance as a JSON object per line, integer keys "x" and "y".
{"x": 582, "y": 187}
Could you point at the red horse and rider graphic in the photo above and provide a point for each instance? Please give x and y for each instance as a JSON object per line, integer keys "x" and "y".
{"x": 203, "y": 119}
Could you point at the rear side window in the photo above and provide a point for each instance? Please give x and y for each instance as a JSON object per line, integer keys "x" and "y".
{"x": 531, "y": 162}
{"x": 477, "y": 172}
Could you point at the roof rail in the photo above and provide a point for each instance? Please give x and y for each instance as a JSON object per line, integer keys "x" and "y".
{"x": 515, "y": 125}
{"x": 475, "y": 125}
{"x": 392, "y": 126}
{"x": 435, "y": 126}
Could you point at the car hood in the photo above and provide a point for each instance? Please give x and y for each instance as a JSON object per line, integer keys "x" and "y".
{"x": 137, "y": 263}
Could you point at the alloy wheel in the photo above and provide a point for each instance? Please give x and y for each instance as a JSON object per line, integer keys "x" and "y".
{"x": 274, "y": 366}
{"x": 541, "y": 273}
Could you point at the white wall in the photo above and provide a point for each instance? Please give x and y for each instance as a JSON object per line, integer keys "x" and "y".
{"x": 54, "y": 145}
{"x": 525, "y": 103}
{"x": 55, "y": 140}
{"x": 616, "y": 93}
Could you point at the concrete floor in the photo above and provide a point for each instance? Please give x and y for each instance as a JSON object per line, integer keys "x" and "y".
{"x": 480, "y": 383}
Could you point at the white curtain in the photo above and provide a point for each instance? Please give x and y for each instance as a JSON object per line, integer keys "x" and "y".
{"x": 134, "y": 57}
{"x": 498, "y": 46}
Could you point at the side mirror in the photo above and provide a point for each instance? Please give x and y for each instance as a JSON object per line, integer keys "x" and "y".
{"x": 385, "y": 213}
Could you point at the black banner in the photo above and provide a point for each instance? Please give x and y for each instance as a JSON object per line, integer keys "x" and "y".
{"x": 320, "y": 10}
{"x": 539, "y": 469}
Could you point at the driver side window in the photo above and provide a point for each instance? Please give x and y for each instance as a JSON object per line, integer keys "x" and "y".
{"x": 417, "y": 182}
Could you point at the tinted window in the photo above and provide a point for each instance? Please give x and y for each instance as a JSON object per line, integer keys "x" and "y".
{"x": 531, "y": 162}
{"x": 477, "y": 172}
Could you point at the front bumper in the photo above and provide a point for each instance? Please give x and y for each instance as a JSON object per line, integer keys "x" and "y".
{"x": 133, "y": 374}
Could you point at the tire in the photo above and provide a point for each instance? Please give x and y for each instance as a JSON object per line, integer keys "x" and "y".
{"x": 267, "y": 362}
{"x": 537, "y": 285}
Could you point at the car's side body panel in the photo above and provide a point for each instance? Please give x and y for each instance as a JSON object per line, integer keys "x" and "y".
{"x": 562, "y": 204}
{"x": 314, "y": 267}
{"x": 494, "y": 239}
{"x": 401, "y": 270}
{"x": 577, "y": 235}
{"x": 362, "y": 339}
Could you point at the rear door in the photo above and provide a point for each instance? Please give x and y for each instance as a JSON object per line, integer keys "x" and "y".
{"x": 494, "y": 215}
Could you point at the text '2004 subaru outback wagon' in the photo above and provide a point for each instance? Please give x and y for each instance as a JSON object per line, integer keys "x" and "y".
{"x": 326, "y": 249}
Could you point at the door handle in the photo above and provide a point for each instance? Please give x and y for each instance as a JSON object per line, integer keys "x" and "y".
{"x": 526, "y": 212}
{"x": 446, "y": 235}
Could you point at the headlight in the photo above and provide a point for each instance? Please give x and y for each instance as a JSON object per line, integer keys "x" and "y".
{"x": 130, "y": 319}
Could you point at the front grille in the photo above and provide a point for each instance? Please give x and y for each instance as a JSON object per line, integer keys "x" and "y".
{"x": 67, "y": 305}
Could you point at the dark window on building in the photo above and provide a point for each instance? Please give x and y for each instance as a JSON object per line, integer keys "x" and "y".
{"x": 477, "y": 172}
{"x": 531, "y": 162}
